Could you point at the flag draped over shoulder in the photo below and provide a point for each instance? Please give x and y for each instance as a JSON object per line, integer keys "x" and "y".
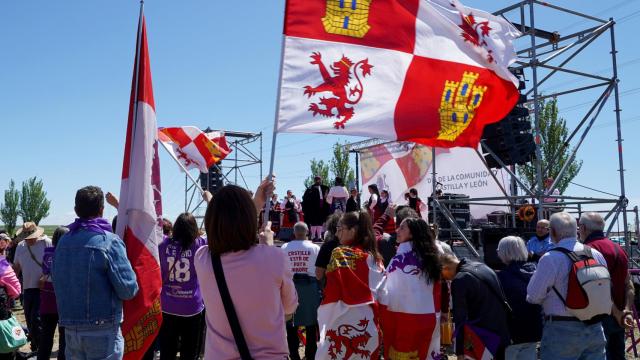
{"x": 428, "y": 71}
{"x": 140, "y": 209}
{"x": 193, "y": 148}
{"x": 348, "y": 324}
{"x": 409, "y": 309}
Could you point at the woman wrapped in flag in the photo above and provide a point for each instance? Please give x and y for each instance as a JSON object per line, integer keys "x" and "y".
{"x": 347, "y": 315}
{"x": 409, "y": 296}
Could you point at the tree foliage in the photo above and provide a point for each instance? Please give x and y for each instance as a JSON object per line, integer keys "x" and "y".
{"x": 10, "y": 209}
{"x": 318, "y": 168}
{"x": 555, "y": 149}
{"x": 34, "y": 205}
{"x": 340, "y": 166}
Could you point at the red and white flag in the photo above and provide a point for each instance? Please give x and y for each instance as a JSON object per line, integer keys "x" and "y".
{"x": 193, "y": 148}
{"x": 429, "y": 71}
{"x": 140, "y": 210}
{"x": 347, "y": 315}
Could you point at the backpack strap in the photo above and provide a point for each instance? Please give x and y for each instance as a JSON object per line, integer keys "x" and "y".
{"x": 232, "y": 316}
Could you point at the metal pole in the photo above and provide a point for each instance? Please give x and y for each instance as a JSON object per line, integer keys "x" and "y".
{"x": 433, "y": 187}
{"x": 617, "y": 110}
{"x": 536, "y": 111}
{"x": 235, "y": 180}
{"x": 357, "y": 171}
{"x": 275, "y": 126}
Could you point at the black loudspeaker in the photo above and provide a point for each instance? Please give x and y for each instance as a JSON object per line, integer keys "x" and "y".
{"x": 212, "y": 181}
{"x": 491, "y": 237}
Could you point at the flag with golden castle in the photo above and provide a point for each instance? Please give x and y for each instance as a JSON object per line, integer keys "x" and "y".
{"x": 428, "y": 71}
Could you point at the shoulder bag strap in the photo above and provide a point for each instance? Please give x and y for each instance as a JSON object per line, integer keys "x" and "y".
{"x": 234, "y": 323}
{"x": 33, "y": 257}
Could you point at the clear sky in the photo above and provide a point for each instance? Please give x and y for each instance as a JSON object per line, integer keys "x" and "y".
{"x": 65, "y": 78}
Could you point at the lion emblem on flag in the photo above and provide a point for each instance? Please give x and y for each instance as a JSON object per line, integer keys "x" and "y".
{"x": 350, "y": 339}
{"x": 344, "y": 96}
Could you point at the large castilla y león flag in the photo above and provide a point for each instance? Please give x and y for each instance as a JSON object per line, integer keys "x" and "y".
{"x": 429, "y": 71}
{"x": 193, "y": 148}
{"x": 139, "y": 213}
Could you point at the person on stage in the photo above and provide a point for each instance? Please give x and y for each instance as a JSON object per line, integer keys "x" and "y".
{"x": 315, "y": 208}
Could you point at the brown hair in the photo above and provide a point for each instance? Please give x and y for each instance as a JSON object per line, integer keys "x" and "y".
{"x": 231, "y": 221}
{"x": 185, "y": 230}
{"x": 365, "y": 238}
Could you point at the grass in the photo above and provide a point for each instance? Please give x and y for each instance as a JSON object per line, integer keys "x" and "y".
{"x": 49, "y": 229}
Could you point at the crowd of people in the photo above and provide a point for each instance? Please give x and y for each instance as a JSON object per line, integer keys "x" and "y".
{"x": 380, "y": 284}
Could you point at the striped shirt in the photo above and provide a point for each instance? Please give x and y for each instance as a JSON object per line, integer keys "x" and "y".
{"x": 553, "y": 271}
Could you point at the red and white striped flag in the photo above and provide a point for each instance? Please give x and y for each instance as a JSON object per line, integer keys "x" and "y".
{"x": 140, "y": 210}
{"x": 428, "y": 71}
{"x": 193, "y": 148}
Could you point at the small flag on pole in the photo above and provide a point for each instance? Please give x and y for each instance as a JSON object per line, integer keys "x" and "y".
{"x": 193, "y": 148}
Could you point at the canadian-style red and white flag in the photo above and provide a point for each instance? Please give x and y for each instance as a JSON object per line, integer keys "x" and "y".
{"x": 193, "y": 148}
{"x": 428, "y": 71}
{"x": 140, "y": 209}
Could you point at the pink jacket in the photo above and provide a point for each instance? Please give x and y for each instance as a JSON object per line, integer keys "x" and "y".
{"x": 10, "y": 282}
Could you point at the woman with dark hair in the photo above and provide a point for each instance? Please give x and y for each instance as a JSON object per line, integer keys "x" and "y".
{"x": 409, "y": 295}
{"x": 256, "y": 275}
{"x": 348, "y": 307}
{"x": 9, "y": 290}
{"x": 181, "y": 299}
{"x": 373, "y": 205}
{"x": 330, "y": 242}
{"x": 48, "y": 304}
{"x": 415, "y": 202}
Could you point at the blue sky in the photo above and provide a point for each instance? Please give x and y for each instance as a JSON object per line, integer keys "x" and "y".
{"x": 65, "y": 77}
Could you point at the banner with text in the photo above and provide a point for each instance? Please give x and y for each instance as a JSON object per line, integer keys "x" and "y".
{"x": 400, "y": 166}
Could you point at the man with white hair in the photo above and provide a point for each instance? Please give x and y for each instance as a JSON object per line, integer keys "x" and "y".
{"x": 564, "y": 336}
{"x": 591, "y": 232}
{"x": 302, "y": 255}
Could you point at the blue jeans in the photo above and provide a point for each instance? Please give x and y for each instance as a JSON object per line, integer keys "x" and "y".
{"x": 569, "y": 340}
{"x": 524, "y": 351}
{"x": 103, "y": 344}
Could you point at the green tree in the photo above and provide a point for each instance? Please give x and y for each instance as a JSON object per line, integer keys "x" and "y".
{"x": 340, "y": 166}
{"x": 10, "y": 209}
{"x": 34, "y": 205}
{"x": 318, "y": 168}
{"x": 555, "y": 149}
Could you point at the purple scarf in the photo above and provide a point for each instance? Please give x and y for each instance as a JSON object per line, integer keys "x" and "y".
{"x": 99, "y": 225}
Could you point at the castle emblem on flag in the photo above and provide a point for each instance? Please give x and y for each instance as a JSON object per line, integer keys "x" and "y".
{"x": 458, "y": 105}
{"x": 347, "y": 17}
{"x": 338, "y": 84}
{"x": 350, "y": 339}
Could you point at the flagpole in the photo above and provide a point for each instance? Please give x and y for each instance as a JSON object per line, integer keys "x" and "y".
{"x": 166, "y": 147}
{"x": 137, "y": 82}
{"x": 275, "y": 126}
{"x": 136, "y": 70}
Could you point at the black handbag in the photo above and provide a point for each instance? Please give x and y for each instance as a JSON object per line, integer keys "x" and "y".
{"x": 229, "y": 309}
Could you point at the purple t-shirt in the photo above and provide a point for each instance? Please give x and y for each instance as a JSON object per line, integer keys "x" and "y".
{"x": 180, "y": 290}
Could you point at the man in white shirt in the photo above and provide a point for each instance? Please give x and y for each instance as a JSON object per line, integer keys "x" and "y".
{"x": 302, "y": 255}
{"x": 28, "y": 262}
{"x": 564, "y": 336}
